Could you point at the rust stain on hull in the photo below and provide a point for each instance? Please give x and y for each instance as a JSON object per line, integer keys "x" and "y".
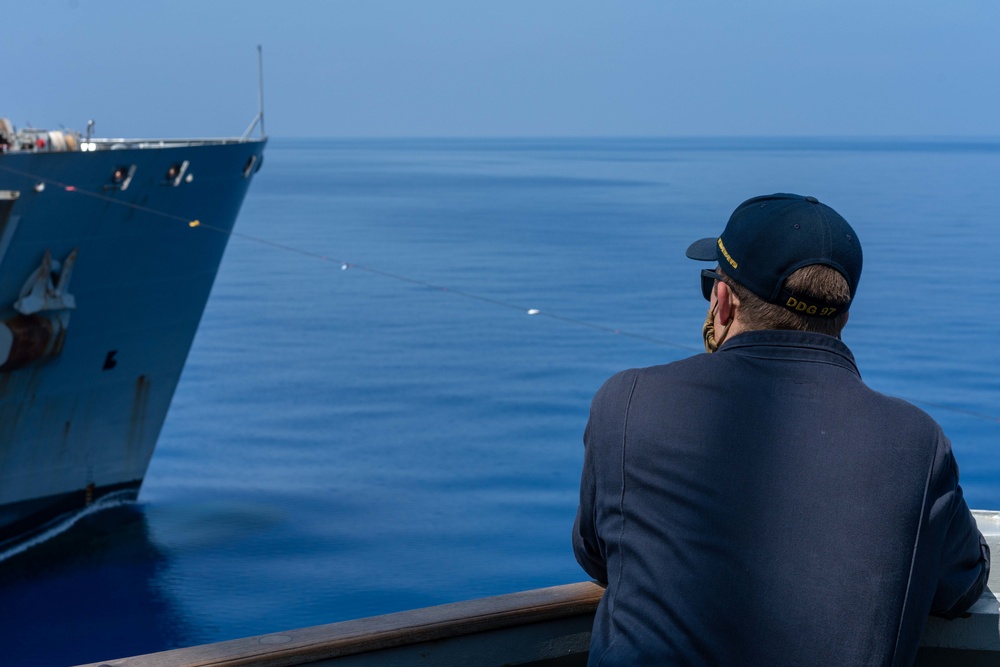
{"x": 34, "y": 338}
{"x": 137, "y": 419}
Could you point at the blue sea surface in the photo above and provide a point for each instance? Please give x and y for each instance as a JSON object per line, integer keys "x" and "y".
{"x": 371, "y": 420}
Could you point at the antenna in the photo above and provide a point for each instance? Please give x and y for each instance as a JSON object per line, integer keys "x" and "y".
{"x": 259, "y": 118}
{"x": 260, "y": 89}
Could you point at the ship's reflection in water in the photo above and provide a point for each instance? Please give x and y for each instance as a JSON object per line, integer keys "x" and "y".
{"x": 88, "y": 591}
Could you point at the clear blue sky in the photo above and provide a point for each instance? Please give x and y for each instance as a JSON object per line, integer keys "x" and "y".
{"x": 372, "y": 68}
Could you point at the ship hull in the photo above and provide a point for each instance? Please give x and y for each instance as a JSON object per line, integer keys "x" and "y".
{"x": 80, "y": 412}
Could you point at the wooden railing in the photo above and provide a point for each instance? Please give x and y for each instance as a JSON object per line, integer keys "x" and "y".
{"x": 531, "y": 627}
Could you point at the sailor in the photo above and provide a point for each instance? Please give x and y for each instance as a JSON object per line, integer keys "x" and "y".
{"x": 760, "y": 505}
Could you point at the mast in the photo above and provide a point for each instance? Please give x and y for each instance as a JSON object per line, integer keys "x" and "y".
{"x": 259, "y": 118}
{"x": 260, "y": 90}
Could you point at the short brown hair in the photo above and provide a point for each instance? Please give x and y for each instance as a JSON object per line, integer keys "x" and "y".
{"x": 821, "y": 282}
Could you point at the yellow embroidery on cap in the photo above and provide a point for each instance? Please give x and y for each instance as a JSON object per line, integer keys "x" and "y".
{"x": 725, "y": 254}
{"x": 803, "y": 307}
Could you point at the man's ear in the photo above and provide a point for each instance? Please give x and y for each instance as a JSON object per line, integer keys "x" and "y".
{"x": 727, "y": 302}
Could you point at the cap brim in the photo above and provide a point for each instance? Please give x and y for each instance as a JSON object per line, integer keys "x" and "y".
{"x": 703, "y": 250}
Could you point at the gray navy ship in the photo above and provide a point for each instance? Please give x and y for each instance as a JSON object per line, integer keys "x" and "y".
{"x": 108, "y": 252}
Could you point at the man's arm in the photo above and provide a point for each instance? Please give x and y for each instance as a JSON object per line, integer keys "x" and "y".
{"x": 603, "y": 440}
{"x": 587, "y": 545}
{"x": 965, "y": 557}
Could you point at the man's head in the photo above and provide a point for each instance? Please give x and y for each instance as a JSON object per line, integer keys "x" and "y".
{"x": 787, "y": 262}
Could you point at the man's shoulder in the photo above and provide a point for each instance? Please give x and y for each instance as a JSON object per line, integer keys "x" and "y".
{"x": 901, "y": 412}
{"x": 626, "y": 380}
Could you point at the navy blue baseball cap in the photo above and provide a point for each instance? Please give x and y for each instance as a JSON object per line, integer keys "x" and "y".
{"x": 770, "y": 237}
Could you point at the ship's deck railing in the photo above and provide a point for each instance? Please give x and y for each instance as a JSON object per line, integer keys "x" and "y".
{"x": 117, "y": 144}
{"x": 547, "y": 627}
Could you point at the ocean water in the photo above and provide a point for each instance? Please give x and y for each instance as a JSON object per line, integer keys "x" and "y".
{"x": 370, "y": 420}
